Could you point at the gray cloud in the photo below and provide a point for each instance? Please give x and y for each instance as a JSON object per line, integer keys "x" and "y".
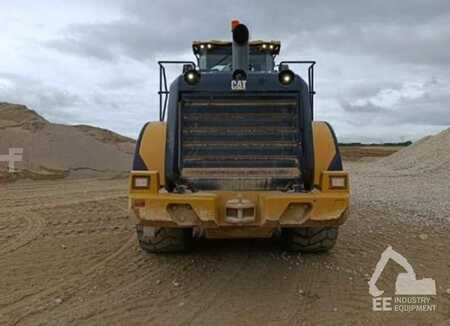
{"x": 396, "y": 43}
{"x": 425, "y": 103}
{"x": 406, "y": 32}
{"x": 46, "y": 99}
{"x": 367, "y": 108}
{"x": 147, "y": 30}
{"x": 61, "y": 106}
{"x": 122, "y": 82}
{"x": 383, "y": 66}
{"x": 430, "y": 109}
{"x": 370, "y": 88}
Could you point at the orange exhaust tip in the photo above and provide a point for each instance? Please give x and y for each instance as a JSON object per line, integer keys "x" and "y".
{"x": 234, "y": 23}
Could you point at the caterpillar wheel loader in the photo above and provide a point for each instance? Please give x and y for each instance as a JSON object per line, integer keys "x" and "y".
{"x": 237, "y": 154}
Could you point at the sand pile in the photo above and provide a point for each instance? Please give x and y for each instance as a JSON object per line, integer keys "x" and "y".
{"x": 430, "y": 154}
{"x": 60, "y": 150}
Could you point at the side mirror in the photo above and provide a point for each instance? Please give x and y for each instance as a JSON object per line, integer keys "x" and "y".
{"x": 283, "y": 67}
{"x": 187, "y": 67}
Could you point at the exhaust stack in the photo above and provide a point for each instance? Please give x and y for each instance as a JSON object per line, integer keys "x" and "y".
{"x": 240, "y": 46}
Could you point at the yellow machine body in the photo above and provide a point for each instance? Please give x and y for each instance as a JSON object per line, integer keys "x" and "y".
{"x": 211, "y": 213}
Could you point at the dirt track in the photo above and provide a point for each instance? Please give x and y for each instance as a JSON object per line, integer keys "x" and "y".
{"x": 68, "y": 255}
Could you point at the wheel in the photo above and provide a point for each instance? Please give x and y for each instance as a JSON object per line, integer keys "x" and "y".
{"x": 164, "y": 240}
{"x": 310, "y": 239}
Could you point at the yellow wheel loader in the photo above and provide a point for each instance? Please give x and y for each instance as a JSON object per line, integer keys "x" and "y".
{"x": 237, "y": 154}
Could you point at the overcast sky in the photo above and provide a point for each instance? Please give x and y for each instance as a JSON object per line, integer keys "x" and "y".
{"x": 383, "y": 71}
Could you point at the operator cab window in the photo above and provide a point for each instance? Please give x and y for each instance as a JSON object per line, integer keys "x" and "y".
{"x": 221, "y": 60}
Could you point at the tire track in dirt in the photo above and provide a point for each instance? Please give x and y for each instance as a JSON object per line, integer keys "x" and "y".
{"x": 57, "y": 185}
{"x": 353, "y": 261}
{"x": 35, "y": 195}
{"x": 133, "y": 296}
{"x": 46, "y": 296}
{"x": 306, "y": 286}
{"x": 209, "y": 295}
{"x": 94, "y": 217}
{"x": 245, "y": 288}
{"x": 35, "y": 222}
{"x": 339, "y": 268}
{"x": 129, "y": 295}
{"x": 237, "y": 283}
{"x": 40, "y": 203}
{"x": 196, "y": 286}
{"x": 34, "y": 225}
{"x": 232, "y": 267}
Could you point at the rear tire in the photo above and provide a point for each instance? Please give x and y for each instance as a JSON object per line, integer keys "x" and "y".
{"x": 313, "y": 240}
{"x": 164, "y": 240}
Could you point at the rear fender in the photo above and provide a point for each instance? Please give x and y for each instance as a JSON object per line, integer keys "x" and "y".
{"x": 326, "y": 151}
{"x": 151, "y": 148}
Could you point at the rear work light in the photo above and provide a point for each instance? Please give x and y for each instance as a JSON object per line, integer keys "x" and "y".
{"x": 338, "y": 182}
{"x": 286, "y": 77}
{"x": 141, "y": 182}
{"x": 191, "y": 77}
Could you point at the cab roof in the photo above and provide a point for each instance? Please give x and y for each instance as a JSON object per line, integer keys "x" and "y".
{"x": 272, "y": 47}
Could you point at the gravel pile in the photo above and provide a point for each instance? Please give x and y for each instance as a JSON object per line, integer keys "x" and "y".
{"x": 414, "y": 180}
{"x": 55, "y": 150}
{"x": 430, "y": 154}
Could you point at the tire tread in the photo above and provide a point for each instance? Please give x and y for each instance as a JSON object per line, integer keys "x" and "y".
{"x": 310, "y": 239}
{"x": 165, "y": 240}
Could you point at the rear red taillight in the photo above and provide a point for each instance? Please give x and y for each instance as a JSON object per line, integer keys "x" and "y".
{"x": 138, "y": 203}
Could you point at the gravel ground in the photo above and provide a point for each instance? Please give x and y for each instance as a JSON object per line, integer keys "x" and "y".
{"x": 68, "y": 256}
{"x": 425, "y": 198}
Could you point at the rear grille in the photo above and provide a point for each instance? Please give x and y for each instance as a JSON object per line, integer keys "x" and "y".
{"x": 225, "y": 140}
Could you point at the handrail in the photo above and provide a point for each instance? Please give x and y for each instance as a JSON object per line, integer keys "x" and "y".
{"x": 163, "y": 89}
{"x": 310, "y": 78}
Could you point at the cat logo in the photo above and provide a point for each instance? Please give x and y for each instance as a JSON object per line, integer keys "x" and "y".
{"x": 238, "y": 85}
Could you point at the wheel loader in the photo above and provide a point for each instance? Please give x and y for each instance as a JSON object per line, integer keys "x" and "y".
{"x": 236, "y": 154}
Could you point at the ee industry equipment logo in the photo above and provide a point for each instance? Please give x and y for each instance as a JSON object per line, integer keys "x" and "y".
{"x": 411, "y": 294}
